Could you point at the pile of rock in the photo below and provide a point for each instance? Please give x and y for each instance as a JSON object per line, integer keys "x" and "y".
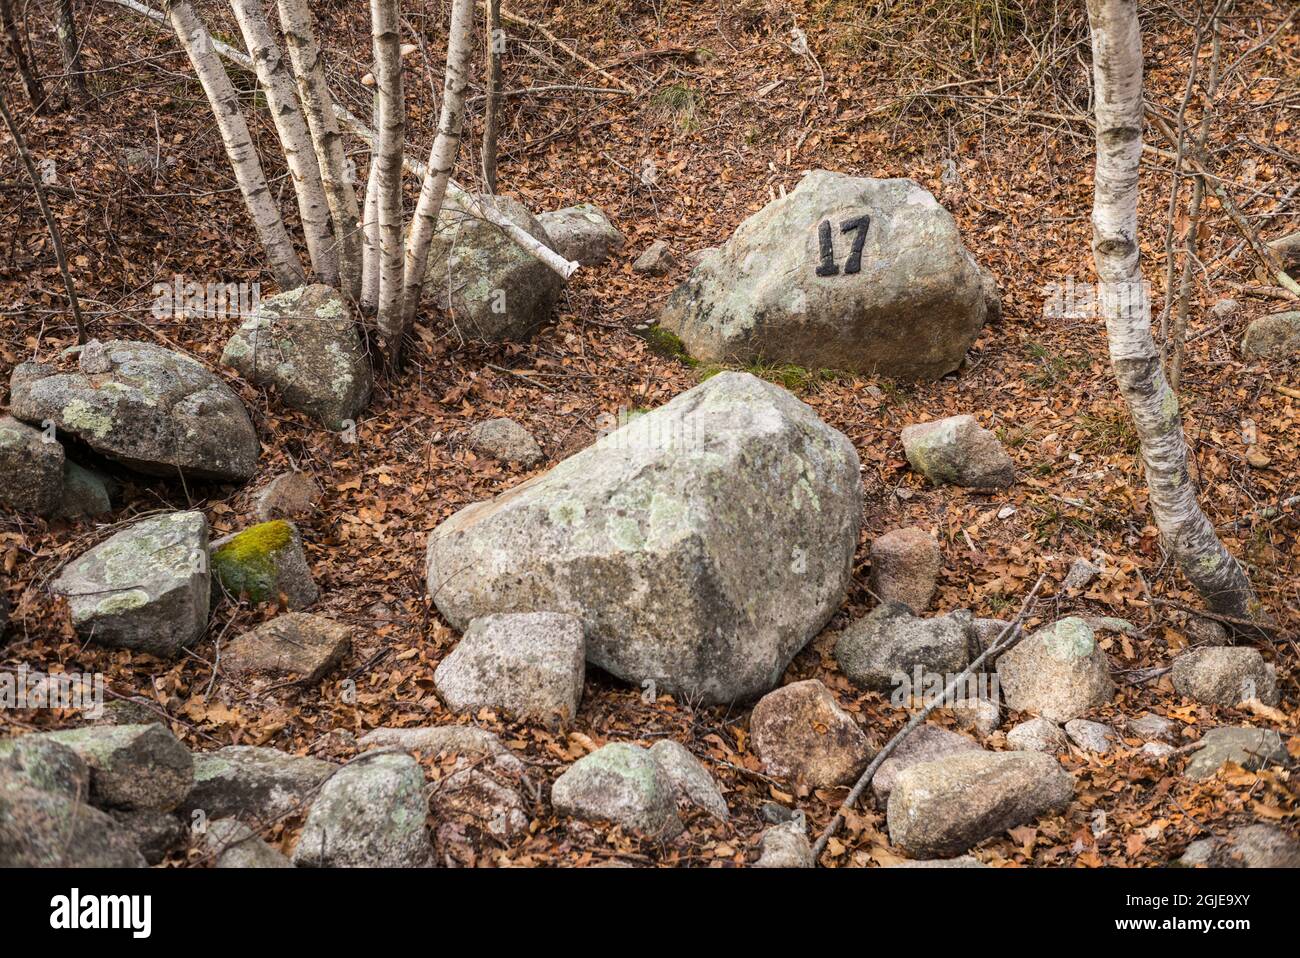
{"x": 150, "y": 586}
{"x": 153, "y": 410}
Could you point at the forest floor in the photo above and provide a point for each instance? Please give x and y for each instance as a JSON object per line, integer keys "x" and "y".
{"x": 988, "y": 115}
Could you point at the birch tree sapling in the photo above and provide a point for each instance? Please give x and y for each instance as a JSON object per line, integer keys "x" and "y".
{"x": 442, "y": 158}
{"x": 223, "y": 98}
{"x": 1187, "y": 534}
{"x": 295, "y": 140}
{"x": 318, "y": 106}
{"x": 385, "y": 28}
{"x": 495, "y": 43}
{"x": 65, "y": 26}
{"x": 370, "y": 216}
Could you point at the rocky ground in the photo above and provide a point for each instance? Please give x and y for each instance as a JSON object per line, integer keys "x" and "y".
{"x": 1123, "y": 737}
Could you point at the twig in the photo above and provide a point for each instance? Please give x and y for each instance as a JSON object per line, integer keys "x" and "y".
{"x": 1007, "y": 638}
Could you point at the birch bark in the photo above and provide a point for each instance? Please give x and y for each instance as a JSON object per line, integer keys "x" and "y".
{"x": 385, "y": 27}
{"x": 284, "y": 262}
{"x": 442, "y": 157}
{"x": 282, "y": 98}
{"x": 1188, "y": 535}
{"x": 340, "y": 193}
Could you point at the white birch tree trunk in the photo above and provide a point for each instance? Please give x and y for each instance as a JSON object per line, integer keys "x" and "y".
{"x": 1188, "y": 535}
{"x": 221, "y": 94}
{"x": 442, "y": 158}
{"x": 341, "y": 194}
{"x": 282, "y": 98}
{"x": 385, "y": 29}
{"x": 370, "y": 230}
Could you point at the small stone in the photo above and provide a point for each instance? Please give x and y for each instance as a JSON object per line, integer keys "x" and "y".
{"x": 131, "y": 766}
{"x": 370, "y": 814}
{"x": 40, "y": 829}
{"x": 961, "y": 861}
{"x": 1156, "y": 751}
{"x": 657, "y": 260}
{"x": 1251, "y": 748}
{"x": 265, "y": 563}
{"x": 290, "y": 495}
{"x": 1250, "y": 846}
{"x": 776, "y": 814}
{"x": 157, "y": 834}
{"x": 31, "y": 469}
{"x": 926, "y": 743}
{"x": 506, "y": 440}
{"x": 234, "y": 845}
{"x": 296, "y": 645}
{"x": 253, "y": 782}
{"x": 1225, "y": 675}
{"x": 883, "y": 650}
{"x": 438, "y": 740}
{"x": 530, "y": 664}
{"x": 905, "y": 567}
{"x": 978, "y": 715}
{"x": 623, "y": 783}
{"x": 1257, "y": 458}
{"x": 93, "y": 359}
{"x": 690, "y": 778}
{"x": 801, "y": 734}
{"x": 34, "y": 761}
{"x": 940, "y": 809}
{"x": 85, "y": 493}
{"x": 1153, "y": 728}
{"x": 1038, "y": 735}
{"x": 1225, "y": 309}
{"x": 1090, "y": 736}
{"x": 959, "y": 451}
{"x": 1081, "y": 575}
{"x": 145, "y": 588}
{"x": 1058, "y": 672}
{"x": 306, "y": 344}
{"x": 1202, "y": 631}
{"x": 984, "y": 633}
{"x": 582, "y": 233}
{"x": 786, "y": 846}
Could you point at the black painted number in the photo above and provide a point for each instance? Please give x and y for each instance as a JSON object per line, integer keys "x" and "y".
{"x": 853, "y": 264}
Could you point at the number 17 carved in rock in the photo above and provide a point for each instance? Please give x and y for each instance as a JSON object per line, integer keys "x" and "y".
{"x": 827, "y": 266}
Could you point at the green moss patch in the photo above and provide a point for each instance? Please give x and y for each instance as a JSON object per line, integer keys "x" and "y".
{"x": 246, "y": 565}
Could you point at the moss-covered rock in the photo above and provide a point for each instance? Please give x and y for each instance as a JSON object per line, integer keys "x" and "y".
{"x": 264, "y": 563}
{"x": 622, "y": 783}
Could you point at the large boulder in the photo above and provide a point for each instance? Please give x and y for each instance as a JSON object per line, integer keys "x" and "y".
{"x": 845, "y": 273}
{"x": 531, "y": 664}
{"x": 265, "y": 563}
{"x": 1248, "y": 846}
{"x": 40, "y": 829}
{"x": 702, "y": 545}
{"x": 1272, "y": 337}
{"x": 131, "y": 766}
{"x": 958, "y": 450}
{"x": 926, "y": 743}
{"x": 582, "y": 233}
{"x": 939, "y": 809}
{"x": 883, "y": 650}
{"x": 145, "y": 588}
{"x": 1225, "y": 675}
{"x": 296, "y": 646}
{"x": 1059, "y": 672}
{"x": 494, "y": 288}
{"x": 253, "y": 782}
{"x": 369, "y": 814}
{"x": 305, "y": 343}
{"x": 31, "y": 469}
{"x": 157, "y": 411}
{"x": 622, "y": 783}
{"x": 34, "y": 761}
{"x": 1251, "y": 748}
{"x": 801, "y": 734}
